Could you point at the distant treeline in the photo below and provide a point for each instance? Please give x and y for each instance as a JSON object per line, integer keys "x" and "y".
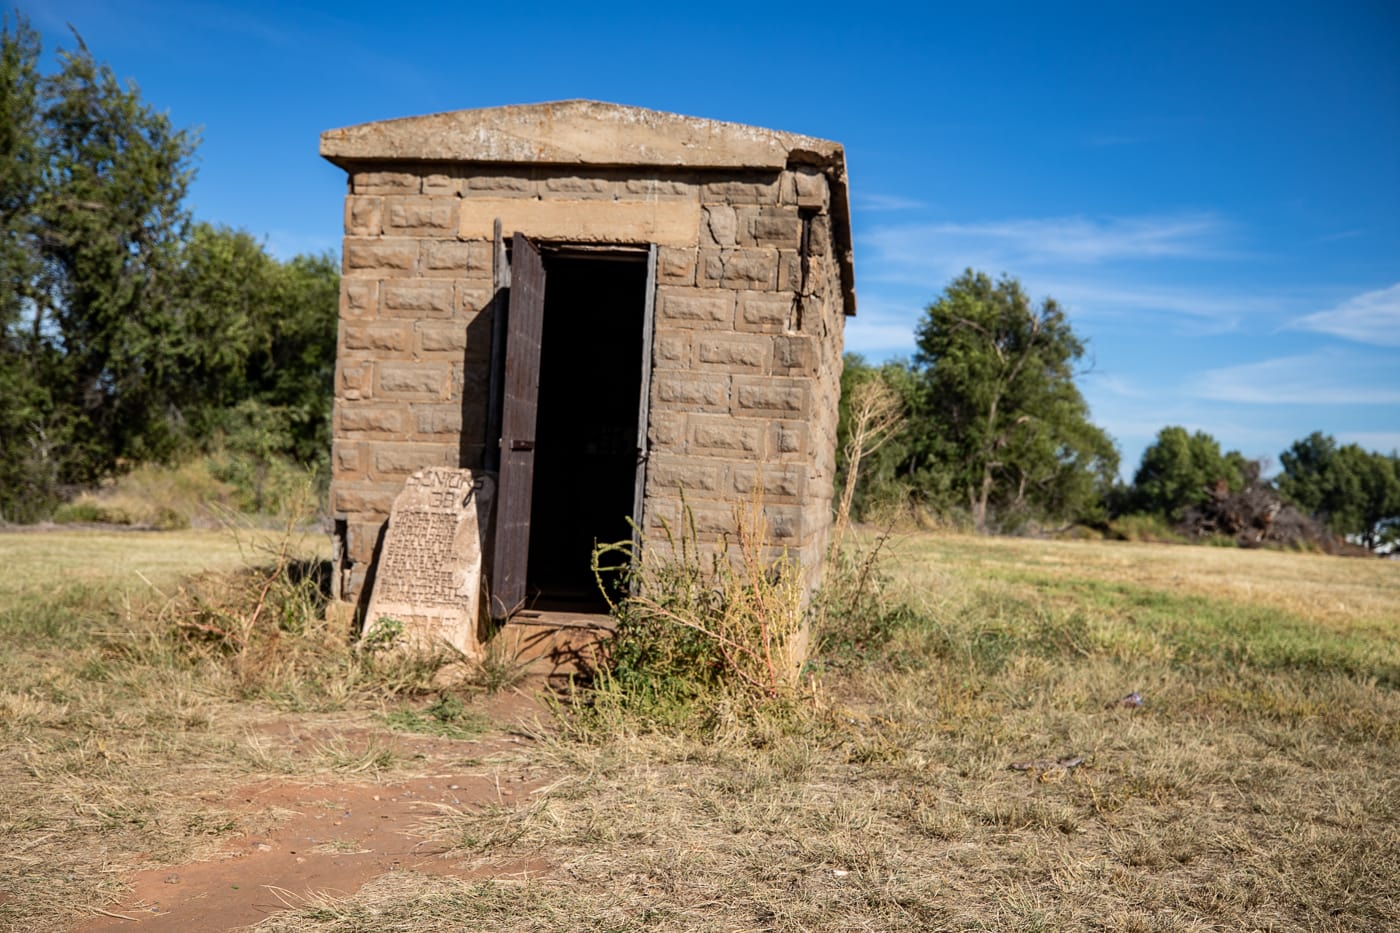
{"x": 985, "y": 427}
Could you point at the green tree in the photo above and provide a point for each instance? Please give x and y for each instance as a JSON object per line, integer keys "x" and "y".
{"x": 1178, "y": 470}
{"x": 111, "y": 221}
{"x": 28, "y": 480}
{"x": 249, "y": 330}
{"x": 126, "y": 332}
{"x": 1001, "y": 414}
{"x": 1352, "y": 491}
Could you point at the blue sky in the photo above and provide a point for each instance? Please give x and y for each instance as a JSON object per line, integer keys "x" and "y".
{"x": 1211, "y": 190}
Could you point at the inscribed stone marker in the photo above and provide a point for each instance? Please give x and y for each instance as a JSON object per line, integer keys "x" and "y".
{"x": 429, "y": 573}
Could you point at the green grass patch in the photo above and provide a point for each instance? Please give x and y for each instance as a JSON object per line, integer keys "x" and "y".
{"x": 446, "y": 716}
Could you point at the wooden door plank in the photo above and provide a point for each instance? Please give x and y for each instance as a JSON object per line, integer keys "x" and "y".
{"x": 525, "y": 327}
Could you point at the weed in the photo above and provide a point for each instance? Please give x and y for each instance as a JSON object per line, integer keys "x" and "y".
{"x": 699, "y": 622}
{"x": 446, "y": 716}
{"x": 1255, "y": 788}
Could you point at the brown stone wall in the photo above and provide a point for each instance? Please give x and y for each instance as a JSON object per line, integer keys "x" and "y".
{"x": 746, "y": 352}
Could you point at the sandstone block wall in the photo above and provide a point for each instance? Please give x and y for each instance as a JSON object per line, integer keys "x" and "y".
{"x": 746, "y": 348}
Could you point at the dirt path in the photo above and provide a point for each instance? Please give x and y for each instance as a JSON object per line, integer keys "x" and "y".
{"x": 323, "y": 840}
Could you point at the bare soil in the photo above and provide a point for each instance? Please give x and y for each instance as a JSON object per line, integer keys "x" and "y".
{"x": 305, "y": 842}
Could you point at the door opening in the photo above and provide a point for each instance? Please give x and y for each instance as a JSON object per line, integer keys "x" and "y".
{"x": 586, "y": 438}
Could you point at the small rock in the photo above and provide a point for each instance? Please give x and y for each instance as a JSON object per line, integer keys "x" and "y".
{"x": 1131, "y": 701}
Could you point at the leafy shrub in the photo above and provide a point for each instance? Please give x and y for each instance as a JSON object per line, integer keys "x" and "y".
{"x": 698, "y": 621}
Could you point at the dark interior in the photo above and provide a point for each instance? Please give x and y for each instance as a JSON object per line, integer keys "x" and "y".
{"x": 586, "y": 434}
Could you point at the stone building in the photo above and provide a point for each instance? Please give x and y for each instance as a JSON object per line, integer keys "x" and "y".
{"x": 612, "y": 307}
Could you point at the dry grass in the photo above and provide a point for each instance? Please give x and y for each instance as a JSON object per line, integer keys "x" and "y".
{"x": 1256, "y": 788}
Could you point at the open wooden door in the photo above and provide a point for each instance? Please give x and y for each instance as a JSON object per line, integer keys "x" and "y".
{"x": 525, "y": 326}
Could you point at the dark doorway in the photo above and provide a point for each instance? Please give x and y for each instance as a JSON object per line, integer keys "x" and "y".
{"x": 586, "y": 440}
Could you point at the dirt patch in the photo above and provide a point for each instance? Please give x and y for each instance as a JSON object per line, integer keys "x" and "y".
{"x": 307, "y": 840}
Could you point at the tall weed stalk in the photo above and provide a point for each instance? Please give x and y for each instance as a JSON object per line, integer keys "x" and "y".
{"x": 698, "y": 618}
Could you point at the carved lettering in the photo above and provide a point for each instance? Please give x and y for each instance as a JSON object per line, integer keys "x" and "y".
{"x": 428, "y": 573}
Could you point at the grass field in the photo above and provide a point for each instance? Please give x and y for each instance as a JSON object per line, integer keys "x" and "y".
{"x": 931, "y": 784}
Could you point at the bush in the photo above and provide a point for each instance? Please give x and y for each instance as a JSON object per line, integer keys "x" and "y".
{"x": 1140, "y": 526}
{"x": 698, "y": 623}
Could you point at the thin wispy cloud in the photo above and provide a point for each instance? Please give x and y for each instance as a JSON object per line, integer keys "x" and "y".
{"x": 888, "y": 202}
{"x": 1383, "y": 441}
{"x": 1054, "y": 241}
{"x": 1324, "y": 377}
{"x": 1371, "y": 318}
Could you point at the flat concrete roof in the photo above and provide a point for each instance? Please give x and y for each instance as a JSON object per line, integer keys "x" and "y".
{"x": 593, "y": 133}
{"x": 575, "y": 132}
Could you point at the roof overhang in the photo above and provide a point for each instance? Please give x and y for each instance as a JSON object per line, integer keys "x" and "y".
{"x": 600, "y": 135}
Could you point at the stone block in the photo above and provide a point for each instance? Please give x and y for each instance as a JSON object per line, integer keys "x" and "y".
{"x": 771, "y": 395}
{"x": 385, "y": 183}
{"x": 732, "y": 354}
{"x": 784, "y": 523}
{"x": 406, "y": 458}
{"x": 779, "y": 227}
{"x": 441, "y": 337}
{"x": 726, "y": 435}
{"x": 414, "y": 380}
{"x": 473, "y": 298}
{"x": 672, "y": 350}
{"x": 752, "y": 189}
{"x": 429, "y": 573}
{"x": 766, "y": 313}
{"x": 770, "y": 481}
{"x": 354, "y": 380}
{"x": 362, "y": 499}
{"x": 675, "y": 266}
{"x": 666, "y": 430}
{"x": 442, "y": 185}
{"x": 684, "y": 474}
{"x": 714, "y": 520}
{"x": 369, "y": 419}
{"x": 518, "y": 184}
{"x": 695, "y": 307}
{"x": 374, "y": 337}
{"x": 364, "y": 216}
{"x": 578, "y": 220}
{"x": 691, "y": 392}
{"x": 420, "y": 215}
{"x": 720, "y": 226}
{"x": 348, "y": 460}
{"x": 417, "y": 298}
{"x": 359, "y": 298}
{"x": 811, "y": 188}
{"x": 819, "y": 237}
{"x": 649, "y": 188}
{"x": 361, "y": 538}
{"x": 473, "y": 257}
{"x": 788, "y": 439}
{"x": 795, "y": 355}
{"x": 576, "y": 186}
{"x": 739, "y": 268}
{"x": 790, "y": 272}
{"x": 384, "y": 257}
{"x": 438, "y": 419}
